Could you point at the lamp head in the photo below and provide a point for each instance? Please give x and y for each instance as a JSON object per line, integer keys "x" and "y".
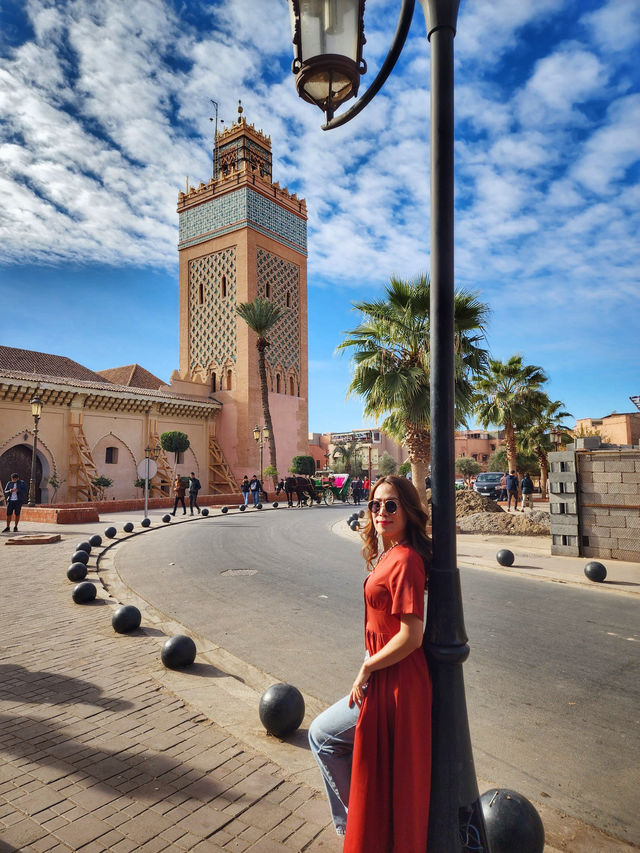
{"x": 36, "y": 407}
{"x": 328, "y": 36}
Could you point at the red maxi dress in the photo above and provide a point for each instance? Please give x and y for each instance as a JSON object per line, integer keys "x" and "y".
{"x": 391, "y": 771}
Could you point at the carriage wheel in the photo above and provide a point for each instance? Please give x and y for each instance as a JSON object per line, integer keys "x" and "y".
{"x": 307, "y": 499}
{"x": 329, "y": 497}
{"x": 348, "y": 498}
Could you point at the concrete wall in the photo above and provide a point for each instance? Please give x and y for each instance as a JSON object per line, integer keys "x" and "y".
{"x": 594, "y": 497}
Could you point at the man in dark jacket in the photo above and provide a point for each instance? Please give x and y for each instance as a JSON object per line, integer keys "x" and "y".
{"x": 526, "y": 487}
{"x": 15, "y": 493}
{"x": 194, "y": 488}
{"x": 512, "y": 491}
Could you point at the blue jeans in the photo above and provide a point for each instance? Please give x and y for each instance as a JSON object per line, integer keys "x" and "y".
{"x": 255, "y": 494}
{"x": 331, "y": 737}
{"x": 245, "y": 495}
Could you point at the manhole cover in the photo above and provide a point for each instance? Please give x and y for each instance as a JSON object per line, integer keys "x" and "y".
{"x": 239, "y": 572}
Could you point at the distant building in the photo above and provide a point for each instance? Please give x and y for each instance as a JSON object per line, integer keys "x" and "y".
{"x": 478, "y": 445}
{"x": 372, "y": 443}
{"x": 241, "y": 235}
{"x": 616, "y": 428}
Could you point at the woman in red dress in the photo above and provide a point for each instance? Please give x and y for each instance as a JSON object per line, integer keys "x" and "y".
{"x": 379, "y": 783}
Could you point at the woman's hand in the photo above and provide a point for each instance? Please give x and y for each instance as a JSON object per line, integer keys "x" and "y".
{"x": 357, "y": 691}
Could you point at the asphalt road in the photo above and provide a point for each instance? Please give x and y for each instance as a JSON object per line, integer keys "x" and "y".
{"x": 553, "y": 679}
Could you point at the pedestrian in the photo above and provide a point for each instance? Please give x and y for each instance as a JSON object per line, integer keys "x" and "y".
{"x": 503, "y": 488}
{"x": 374, "y": 745}
{"x": 15, "y": 493}
{"x": 244, "y": 488}
{"x": 179, "y": 489}
{"x": 366, "y": 485}
{"x": 254, "y": 487}
{"x": 526, "y": 487}
{"x": 194, "y": 488}
{"x": 512, "y": 491}
{"x": 357, "y": 491}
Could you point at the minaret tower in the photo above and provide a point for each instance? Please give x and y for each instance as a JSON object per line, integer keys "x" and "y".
{"x": 241, "y": 236}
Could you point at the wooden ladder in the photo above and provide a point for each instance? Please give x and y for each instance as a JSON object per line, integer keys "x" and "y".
{"x": 82, "y": 469}
{"x": 221, "y": 479}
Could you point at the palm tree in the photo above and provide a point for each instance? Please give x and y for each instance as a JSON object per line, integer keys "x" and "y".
{"x": 535, "y": 438}
{"x": 261, "y": 316}
{"x": 347, "y": 450}
{"x": 391, "y": 363}
{"x": 508, "y": 396}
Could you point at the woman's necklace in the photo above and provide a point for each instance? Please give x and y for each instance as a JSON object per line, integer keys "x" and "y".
{"x": 386, "y": 551}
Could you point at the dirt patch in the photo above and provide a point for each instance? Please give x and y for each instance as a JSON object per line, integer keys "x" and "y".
{"x": 469, "y": 502}
{"x": 535, "y": 523}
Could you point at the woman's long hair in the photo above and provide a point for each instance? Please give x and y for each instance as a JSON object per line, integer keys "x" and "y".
{"x": 416, "y": 529}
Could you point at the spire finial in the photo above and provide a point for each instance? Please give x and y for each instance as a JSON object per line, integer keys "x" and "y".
{"x": 240, "y": 110}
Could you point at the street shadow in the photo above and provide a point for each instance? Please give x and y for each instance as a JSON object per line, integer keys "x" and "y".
{"x": 19, "y": 684}
{"x": 208, "y": 670}
{"x": 621, "y": 583}
{"x": 160, "y": 776}
{"x": 521, "y": 566}
{"x": 299, "y": 739}
{"x": 148, "y": 632}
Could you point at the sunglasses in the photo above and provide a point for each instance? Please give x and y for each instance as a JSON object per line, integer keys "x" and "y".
{"x": 390, "y": 506}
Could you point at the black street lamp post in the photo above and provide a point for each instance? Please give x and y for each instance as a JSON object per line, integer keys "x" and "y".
{"x": 36, "y": 411}
{"x": 456, "y": 821}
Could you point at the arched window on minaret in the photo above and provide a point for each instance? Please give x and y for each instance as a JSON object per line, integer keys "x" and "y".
{"x": 200, "y": 293}
{"x": 213, "y": 383}
{"x": 288, "y": 299}
{"x": 228, "y": 380}
{"x": 267, "y": 289}
{"x": 224, "y": 286}
{"x": 277, "y": 383}
{"x": 292, "y": 387}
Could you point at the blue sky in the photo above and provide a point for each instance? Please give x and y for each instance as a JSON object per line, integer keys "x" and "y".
{"x": 105, "y": 109}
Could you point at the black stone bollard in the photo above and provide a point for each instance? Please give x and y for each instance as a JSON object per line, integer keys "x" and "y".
{"x": 275, "y": 504}
{"x": 84, "y": 592}
{"x": 178, "y": 651}
{"x": 166, "y": 518}
{"x": 242, "y": 507}
{"x": 84, "y": 546}
{"x": 511, "y": 822}
{"x": 146, "y": 522}
{"x": 354, "y": 525}
{"x": 128, "y": 527}
{"x": 258, "y": 506}
{"x": 505, "y": 557}
{"x": 205, "y": 512}
{"x": 110, "y": 532}
{"x": 224, "y": 510}
{"x": 80, "y": 557}
{"x": 126, "y": 618}
{"x": 77, "y": 572}
{"x": 595, "y": 571}
{"x": 95, "y": 541}
{"x": 281, "y": 709}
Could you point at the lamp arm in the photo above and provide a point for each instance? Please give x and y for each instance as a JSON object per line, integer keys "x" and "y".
{"x": 402, "y": 30}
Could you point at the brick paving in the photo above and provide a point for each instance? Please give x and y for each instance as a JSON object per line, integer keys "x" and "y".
{"x": 95, "y": 755}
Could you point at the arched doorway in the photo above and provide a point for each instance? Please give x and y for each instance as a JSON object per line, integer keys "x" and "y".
{"x": 17, "y": 459}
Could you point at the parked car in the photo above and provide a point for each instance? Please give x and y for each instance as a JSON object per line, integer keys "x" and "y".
{"x": 488, "y": 484}
{"x": 460, "y": 483}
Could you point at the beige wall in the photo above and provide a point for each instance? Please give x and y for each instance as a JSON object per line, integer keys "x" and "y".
{"x": 619, "y": 429}
{"x": 124, "y": 431}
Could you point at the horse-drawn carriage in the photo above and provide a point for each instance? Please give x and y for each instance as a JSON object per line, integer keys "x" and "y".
{"x": 330, "y": 487}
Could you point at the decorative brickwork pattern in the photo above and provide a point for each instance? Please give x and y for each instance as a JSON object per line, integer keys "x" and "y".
{"x": 278, "y": 281}
{"x": 212, "y": 313}
{"x": 235, "y": 210}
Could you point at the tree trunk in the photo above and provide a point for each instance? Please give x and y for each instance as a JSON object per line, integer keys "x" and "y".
{"x": 510, "y": 446}
{"x": 418, "y": 442}
{"x": 264, "y": 392}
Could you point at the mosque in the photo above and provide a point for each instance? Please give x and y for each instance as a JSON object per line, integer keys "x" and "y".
{"x": 241, "y": 235}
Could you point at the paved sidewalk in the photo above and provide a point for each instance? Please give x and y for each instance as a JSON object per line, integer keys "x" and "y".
{"x": 95, "y": 755}
{"x": 104, "y": 749}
